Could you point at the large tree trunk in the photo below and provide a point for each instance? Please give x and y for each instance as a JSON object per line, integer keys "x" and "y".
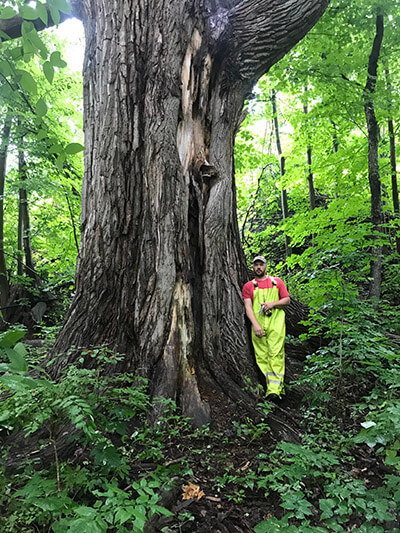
{"x": 160, "y": 268}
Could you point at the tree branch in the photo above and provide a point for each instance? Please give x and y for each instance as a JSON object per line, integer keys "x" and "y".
{"x": 260, "y": 32}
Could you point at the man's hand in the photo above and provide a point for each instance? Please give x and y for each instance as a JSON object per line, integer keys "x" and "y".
{"x": 258, "y": 331}
{"x": 267, "y": 306}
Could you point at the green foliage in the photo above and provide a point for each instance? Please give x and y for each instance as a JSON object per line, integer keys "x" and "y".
{"x": 100, "y": 408}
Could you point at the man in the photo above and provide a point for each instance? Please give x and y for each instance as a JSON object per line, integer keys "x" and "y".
{"x": 264, "y": 300}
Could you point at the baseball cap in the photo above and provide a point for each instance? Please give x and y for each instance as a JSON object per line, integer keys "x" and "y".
{"x": 260, "y": 258}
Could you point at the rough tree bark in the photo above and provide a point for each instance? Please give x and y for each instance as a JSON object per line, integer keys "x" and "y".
{"x": 160, "y": 267}
{"x": 373, "y": 165}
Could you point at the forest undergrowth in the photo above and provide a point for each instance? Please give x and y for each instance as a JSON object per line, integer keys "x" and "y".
{"x": 114, "y": 471}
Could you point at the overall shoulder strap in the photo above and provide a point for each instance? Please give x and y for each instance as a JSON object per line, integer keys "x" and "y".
{"x": 255, "y": 283}
{"x": 273, "y": 281}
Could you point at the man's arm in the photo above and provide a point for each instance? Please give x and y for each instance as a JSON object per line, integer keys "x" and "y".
{"x": 248, "y": 305}
{"x": 279, "y": 304}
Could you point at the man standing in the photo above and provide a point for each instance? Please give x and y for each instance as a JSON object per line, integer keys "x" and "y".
{"x": 264, "y": 300}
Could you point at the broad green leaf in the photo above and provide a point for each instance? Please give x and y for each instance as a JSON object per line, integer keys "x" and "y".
{"x": 86, "y": 512}
{"x": 5, "y": 68}
{"x": 55, "y": 15}
{"x": 7, "y": 13}
{"x": 60, "y": 161}
{"x": 26, "y": 27}
{"x": 41, "y": 107}
{"x": 37, "y": 42}
{"x": 11, "y": 337}
{"x": 29, "y": 50}
{"x": 5, "y": 415}
{"x": 4, "y": 36}
{"x": 16, "y": 52}
{"x": 27, "y": 81}
{"x": 42, "y": 134}
{"x": 82, "y": 524}
{"x": 73, "y": 148}
{"x": 56, "y": 60}
{"x": 20, "y": 349}
{"x": 56, "y": 148}
{"x": 48, "y": 70}
{"x": 42, "y": 13}
{"x": 17, "y": 361}
{"x": 28, "y": 13}
{"x": 62, "y": 5}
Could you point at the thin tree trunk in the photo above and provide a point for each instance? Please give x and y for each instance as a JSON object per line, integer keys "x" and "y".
{"x": 4, "y": 285}
{"x": 310, "y": 177}
{"x": 335, "y": 149}
{"x": 24, "y": 239}
{"x": 392, "y": 141}
{"x": 373, "y": 166}
{"x": 284, "y": 200}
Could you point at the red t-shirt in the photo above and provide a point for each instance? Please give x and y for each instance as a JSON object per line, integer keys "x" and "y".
{"x": 248, "y": 288}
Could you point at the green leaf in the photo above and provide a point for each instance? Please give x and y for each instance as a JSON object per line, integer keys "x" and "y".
{"x": 27, "y": 81}
{"x": 86, "y": 512}
{"x": 20, "y": 349}
{"x": 56, "y": 60}
{"x": 10, "y": 338}
{"x": 37, "y": 43}
{"x": 60, "y": 161}
{"x": 5, "y": 68}
{"x": 26, "y": 28}
{"x": 62, "y": 5}
{"x": 16, "y": 53}
{"x": 73, "y": 148}
{"x": 42, "y": 13}
{"x": 55, "y": 15}
{"x": 82, "y": 524}
{"x": 56, "y": 149}
{"x": 28, "y": 13}
{"x": 48, "y": 70}
{"x": 7, "y": 13}
{"x": 41, "y": 107}
{"x": 17, "y": 361}
{"x": 42, "y": 134}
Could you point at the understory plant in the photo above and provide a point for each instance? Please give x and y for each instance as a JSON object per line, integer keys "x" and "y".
{"x": 102, "y": 417}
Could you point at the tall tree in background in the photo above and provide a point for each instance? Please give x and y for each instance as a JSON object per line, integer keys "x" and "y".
{"x": 4, "y": 284}
{"x": 310, "y": 177}
{"x": 373, "y": 165}
{"x": 392, "y": 148}
{"x": 284, "y": 200}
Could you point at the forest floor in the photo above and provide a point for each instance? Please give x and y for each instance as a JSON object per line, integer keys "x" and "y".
{"x": 224, "y": 492}
{"x": 236, "y": 476}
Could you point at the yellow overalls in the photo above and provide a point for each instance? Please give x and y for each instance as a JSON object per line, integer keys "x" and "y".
{"x": 269, "y": 349}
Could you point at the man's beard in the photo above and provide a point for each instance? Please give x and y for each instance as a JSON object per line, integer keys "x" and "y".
{"x": 259, "y": 273}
